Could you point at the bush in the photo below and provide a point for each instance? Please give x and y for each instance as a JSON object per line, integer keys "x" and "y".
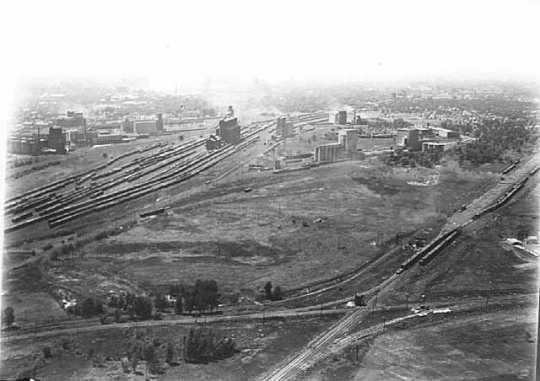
{"x": 47, "y": 352}
{"x": 89, "y": 307}
{"x": 8, "y": 316}
{"x": 202, "y": 346}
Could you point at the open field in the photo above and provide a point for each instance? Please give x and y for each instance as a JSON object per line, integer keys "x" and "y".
{"x": 498, "y": 345}
{"x": 290, "y": 229}
{"x": 495, "y": 342}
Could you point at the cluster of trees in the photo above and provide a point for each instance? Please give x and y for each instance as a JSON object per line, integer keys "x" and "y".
{"x": 202, "y": 346}
{"x": 272, "y": 294}
{"x": 495, "y": 139}
{"x": 413, "y": 158}
{"x": 140, "y": 306}
{"x": 141, "y": 348}
{"x": 87, "y": 308}
{"x": 202, "y": 296}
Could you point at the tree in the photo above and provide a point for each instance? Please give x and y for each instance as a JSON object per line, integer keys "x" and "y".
{"x": 277, "y": 294}
{"x": 90, "y": 307}
{"x": 117, "y": 315}
{"x": 142, "y": 306}
{"x": 161, "y": 302}
{"x": 268, "y": 290}
{"x": 8, "y": 316}
{"x": 169, "y": 356}
{"x": 179, "y": 306}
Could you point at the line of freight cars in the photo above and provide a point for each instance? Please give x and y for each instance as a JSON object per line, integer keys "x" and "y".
{"x": 48, "y": 208}
{"x": 135, "y": 192}
{"x": 504, "y": 198}
{"x": 426, "y": 254}
{"x": 70, "y": 212}
{"x": 49, "y": 203}
{"x": 182, "y": 175}
{"x": 510, "y": 167}
{"x": 435, "y": 245}
{"x": 17, "y": 204}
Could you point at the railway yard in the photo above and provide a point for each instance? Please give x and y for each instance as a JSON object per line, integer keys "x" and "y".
{"x": 167, "y": 211}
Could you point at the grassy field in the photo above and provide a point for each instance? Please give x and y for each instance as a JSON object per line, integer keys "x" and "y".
{"x": 290, "y": 229}
{"x": 494, "y": 342}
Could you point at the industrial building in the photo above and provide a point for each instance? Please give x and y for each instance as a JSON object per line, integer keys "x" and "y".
{"x": 337, "y": 117}
{"x": 283, "y": 128}
{"x": 53, "y": 142}
{"x": 348, "y": 138}
{"x": 411, "y": 138}
{"x": 328, "y": 152}
{"x": 80, "y": 138}
{"x": 345, "y": 147}
{"x": 229, "y": 130}
{"x": 426, "y": 139}
{"x": 445, "y": 133}
{"x": 72, "y": 119}
{"x": 57, "y": 140}
{"x": 437, "y": 146}
{"x": 148, "y": 126}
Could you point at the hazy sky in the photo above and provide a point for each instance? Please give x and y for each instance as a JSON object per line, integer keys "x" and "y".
{"x": 187, "y": 43}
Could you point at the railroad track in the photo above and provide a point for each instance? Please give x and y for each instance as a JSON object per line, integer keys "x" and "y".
{"x": 164, "y": 168}
{"x": 317, "y": 348}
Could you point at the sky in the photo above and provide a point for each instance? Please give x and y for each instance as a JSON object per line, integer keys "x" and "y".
{"x": 184, "y": 44}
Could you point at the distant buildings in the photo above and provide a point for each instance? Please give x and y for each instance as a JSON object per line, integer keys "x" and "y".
{"x": 72, "y": 119}
{"x": 426, "y": 139}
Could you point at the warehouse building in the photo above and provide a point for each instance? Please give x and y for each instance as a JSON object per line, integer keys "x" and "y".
{"x": 146, "y": 126}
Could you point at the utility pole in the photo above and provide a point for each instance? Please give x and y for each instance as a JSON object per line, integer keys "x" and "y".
{"x": 407, "y": 301}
